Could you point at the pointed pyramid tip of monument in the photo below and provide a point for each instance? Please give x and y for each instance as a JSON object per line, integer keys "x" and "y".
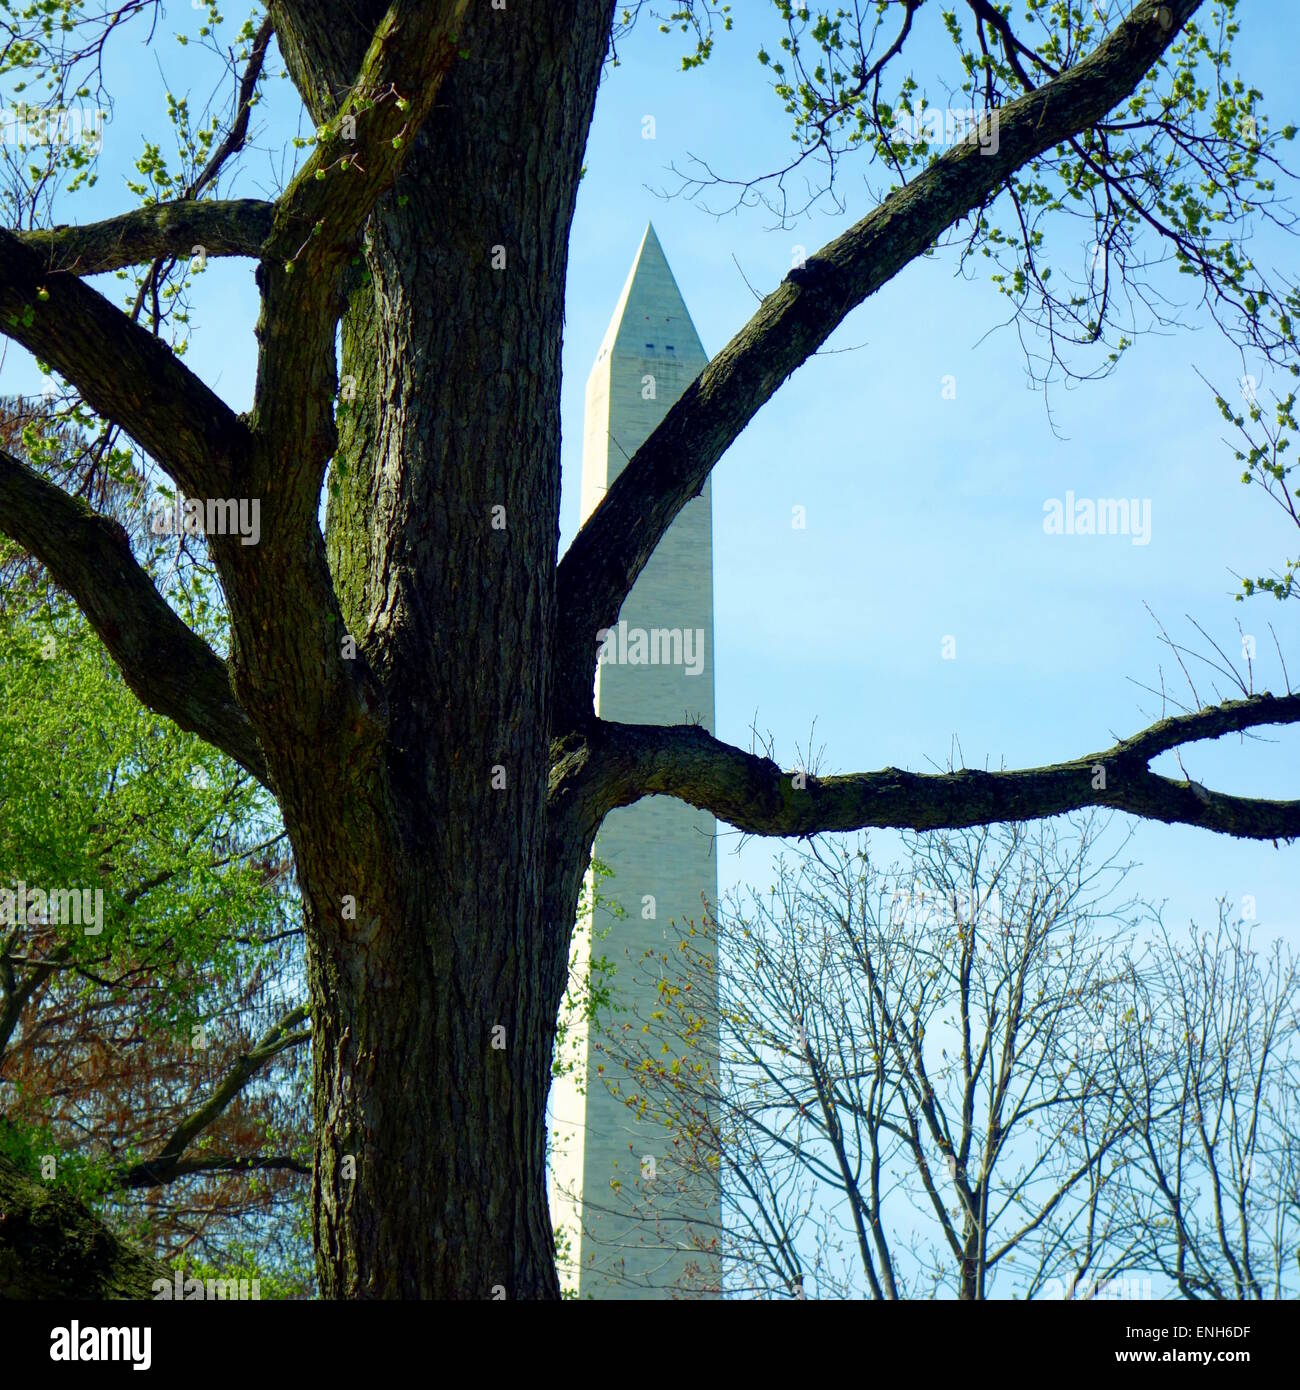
{"x": 651, "y": 258}
{"x": 650, "y": 293}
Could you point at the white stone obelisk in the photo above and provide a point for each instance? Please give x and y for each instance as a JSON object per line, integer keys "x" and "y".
{"x": 633, "y": 1230}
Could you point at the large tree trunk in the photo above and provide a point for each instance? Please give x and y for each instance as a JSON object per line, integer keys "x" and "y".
{"x": 435, "y": 996}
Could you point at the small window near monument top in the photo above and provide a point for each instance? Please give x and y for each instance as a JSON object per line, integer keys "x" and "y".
{"x": 670, "y": 348}
{"x": 650, "y": 347}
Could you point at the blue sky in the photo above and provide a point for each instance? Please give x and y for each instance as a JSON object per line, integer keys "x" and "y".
{"x": 924, "y": 515}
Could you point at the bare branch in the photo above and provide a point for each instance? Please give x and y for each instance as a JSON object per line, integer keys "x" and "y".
{"x": 145, "y": 1176}
{"x": 233, "y": 141}
{"x": 168, "y": 1164}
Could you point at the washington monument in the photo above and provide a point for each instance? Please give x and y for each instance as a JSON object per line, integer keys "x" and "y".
{"x": 636, "y": 1226}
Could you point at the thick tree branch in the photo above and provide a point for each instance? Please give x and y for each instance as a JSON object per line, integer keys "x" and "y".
{"x": 284, "y": 592}
{"x": 179, "y": 229}
{"x": 169, "y": 1164}
{"x": 797, "y": 318}
{"x": 322, "y": 55}
{"x": 168, "y": 666}
{"x": 316, "y": 233}
{"x": 123, "y": 372}
{"x": 615, "y": 764}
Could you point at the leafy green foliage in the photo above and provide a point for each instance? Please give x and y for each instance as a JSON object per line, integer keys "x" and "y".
{"x": 111, "y": 1037}
{"x": 590, "y": 995}
{"x": 1085, "y": 242}
{"x": 100, "y": 792}
{"x": 1265, "y": 445}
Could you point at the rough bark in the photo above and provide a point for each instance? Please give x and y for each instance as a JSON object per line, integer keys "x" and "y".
{"x": 457, "y": 371}
{"x": 123, "y": 372}
{"x": 51, "y": 1246}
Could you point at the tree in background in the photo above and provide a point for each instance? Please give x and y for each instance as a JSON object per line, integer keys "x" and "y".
{"x": 415, "y": 686}
{"x": 967, "y": 1076}
{"x": 147, "y": 1057}
{"x": 1214, "y": 1075}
